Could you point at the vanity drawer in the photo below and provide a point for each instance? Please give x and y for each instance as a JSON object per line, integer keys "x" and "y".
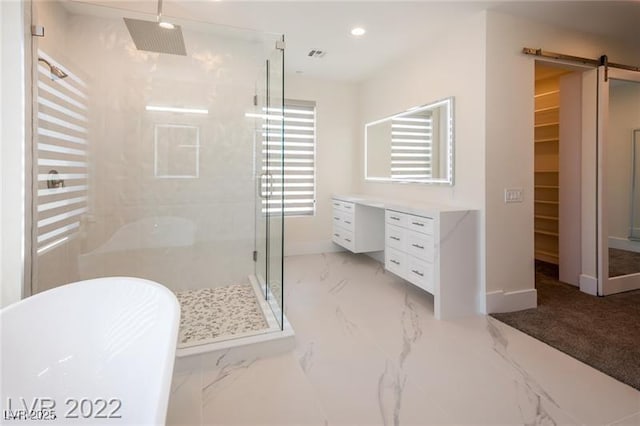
{"x": 395, "y": 261}
{"x": 420, "y": 224}
{"x": 420, "y": 273}
{"x": 343, "y": 220}
{"x": 344, "y": 206}
{"x": 344, "y": 238}
{"x": 394, "y": 237}
{"x": 395, "y": 218}
{"x": 419, "y": 245}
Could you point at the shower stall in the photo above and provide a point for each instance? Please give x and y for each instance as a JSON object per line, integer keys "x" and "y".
{"x": 160, "y": 160}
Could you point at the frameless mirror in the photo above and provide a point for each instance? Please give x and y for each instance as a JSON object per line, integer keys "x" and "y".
{"x": 413, "y": 146}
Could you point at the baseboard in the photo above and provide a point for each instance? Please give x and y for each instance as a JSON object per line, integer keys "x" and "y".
{"x": 501, "y": 301}
{"x": 624, "y": 244}
{"x": 311, "y": 247}
{"x": 589, "y": 284}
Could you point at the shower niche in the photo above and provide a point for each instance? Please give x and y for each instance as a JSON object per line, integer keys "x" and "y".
{"x": 161, "y": 155}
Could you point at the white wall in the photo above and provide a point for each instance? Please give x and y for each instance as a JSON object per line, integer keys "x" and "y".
{"x": 336, "y": 131}
{"x": 452, "y": 65}
{"x": 12, "y": 144}
{"x": 509, "y": 137}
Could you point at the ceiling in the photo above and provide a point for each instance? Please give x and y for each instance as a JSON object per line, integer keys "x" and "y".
{"x": 393, "y": 27}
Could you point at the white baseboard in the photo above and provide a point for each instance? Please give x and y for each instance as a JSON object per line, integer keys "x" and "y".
{"x": 312, "y": 247}
{"x": 500, "y": 301}
{"x": 589, "y": 284}
{"x": 624, "y": 244}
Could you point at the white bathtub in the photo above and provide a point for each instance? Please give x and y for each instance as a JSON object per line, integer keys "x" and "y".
{"x": 96, "y": 351}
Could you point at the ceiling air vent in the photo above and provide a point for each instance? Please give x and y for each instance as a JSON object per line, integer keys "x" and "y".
{"x": 316, "y": 53}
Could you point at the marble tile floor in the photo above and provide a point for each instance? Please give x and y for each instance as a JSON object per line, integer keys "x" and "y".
{"x": 369, "y": 352}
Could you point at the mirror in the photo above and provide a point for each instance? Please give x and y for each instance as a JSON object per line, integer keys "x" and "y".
{"x": 412, "y": 146}
{"x": 623, "y": 178}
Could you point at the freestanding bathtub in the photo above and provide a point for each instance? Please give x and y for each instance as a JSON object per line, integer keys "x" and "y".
{"x": 96, "y": 351}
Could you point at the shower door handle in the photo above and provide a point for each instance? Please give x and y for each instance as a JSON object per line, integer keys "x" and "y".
{"x": 262, "y": 185}
{"x": 269, "y": 184}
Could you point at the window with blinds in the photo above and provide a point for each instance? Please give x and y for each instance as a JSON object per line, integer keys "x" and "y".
{"x": 61, "y": 138}
{"x": 412, "y": 146}
{"x": 289, "y": 162}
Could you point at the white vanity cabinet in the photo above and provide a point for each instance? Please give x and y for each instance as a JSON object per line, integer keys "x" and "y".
{"x": 409, "y": 250}
{"x": 355, "y": 226}
{"x": 432, "y": 247}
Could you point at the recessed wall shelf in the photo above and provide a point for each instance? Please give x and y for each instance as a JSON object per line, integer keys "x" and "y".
{"x": 546, "y": 140}
{"x": 546, "y": 125}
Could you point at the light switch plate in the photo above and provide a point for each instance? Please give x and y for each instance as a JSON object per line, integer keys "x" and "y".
{"x": 513, "y": 195}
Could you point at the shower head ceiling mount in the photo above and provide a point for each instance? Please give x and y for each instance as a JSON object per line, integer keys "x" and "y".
{"x": 160, "y": 36}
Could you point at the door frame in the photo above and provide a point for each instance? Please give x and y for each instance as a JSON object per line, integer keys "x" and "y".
{"x": 608, "y": 285}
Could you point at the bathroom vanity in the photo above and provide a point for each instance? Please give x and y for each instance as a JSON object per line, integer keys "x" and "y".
{"x": 433, "y": 247}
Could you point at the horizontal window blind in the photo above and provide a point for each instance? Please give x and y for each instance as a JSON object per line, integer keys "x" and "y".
{"x": 412, "y": 146}
{"x": 288, "y": 142}
{"x": 61, "y": 144}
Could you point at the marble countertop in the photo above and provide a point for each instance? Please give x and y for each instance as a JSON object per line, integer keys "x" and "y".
{"x": 417, "y": 208}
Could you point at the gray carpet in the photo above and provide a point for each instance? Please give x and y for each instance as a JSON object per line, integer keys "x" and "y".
{"x": 603, "y": 332}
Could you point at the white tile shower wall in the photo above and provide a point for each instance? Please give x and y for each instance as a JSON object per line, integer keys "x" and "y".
{"x": 184, "y": 233}
{"x": 58, "y": 265}
{"x": 337, "y": 129}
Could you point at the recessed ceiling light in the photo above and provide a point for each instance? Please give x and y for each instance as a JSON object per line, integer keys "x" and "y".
{"x": 358, "y": 31}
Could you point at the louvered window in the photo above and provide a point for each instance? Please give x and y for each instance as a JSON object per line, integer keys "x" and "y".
{"x": 298, "y": 187}
{"x": 61, "y": 137}
{"x": 412, "y": 146}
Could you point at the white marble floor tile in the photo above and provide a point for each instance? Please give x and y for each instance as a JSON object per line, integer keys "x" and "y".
{"x": 270, "y": 391}
{"x": 370, "y": 352}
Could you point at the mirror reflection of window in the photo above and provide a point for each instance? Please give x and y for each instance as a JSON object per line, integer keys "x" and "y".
{"x": 176, "y": 151}
{"x": 413, "y": 146}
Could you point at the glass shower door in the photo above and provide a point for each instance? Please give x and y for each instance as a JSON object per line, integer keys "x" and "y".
{"x": 270, "y": 183}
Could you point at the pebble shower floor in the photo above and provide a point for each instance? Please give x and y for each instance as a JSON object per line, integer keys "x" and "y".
{"x": 213, "y": 313}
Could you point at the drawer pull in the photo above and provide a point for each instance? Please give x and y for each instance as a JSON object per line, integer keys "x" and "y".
{"x": 394, "y": 238}
{"x": 336, "y": 235}
{"x": 348, "y": 207}
{"x": 418, "y": 246}
{"x": 417, "y": 272}
{"x": 394, "y": 261}
{"x": 347, "y": 222}
{"x": 394, "y": 217}
{"x": 348, "y": 240}
{"x": 336, "y": 205}
{"x": 336, "y": 218}
{"x": 418, "y": 223}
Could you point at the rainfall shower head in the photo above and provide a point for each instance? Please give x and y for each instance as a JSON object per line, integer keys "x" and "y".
{"x": 159, "y": 36}
{"x": 55, "y": 71}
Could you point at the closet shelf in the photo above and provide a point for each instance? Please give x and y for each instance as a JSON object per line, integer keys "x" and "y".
{"x": 541, "y": 232}
{"x": 547, "y": 186}
{"x": 547, "y": 124}
{"x": 546, "y": 202}
{"x": 546, "y": 140}
{"x": 545, "y": 171}
{"x": 552, "y": 92}
{"x": 547, "y": 256}
{"x": 553, "y": 108}
{"x": 554, "y": 218}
